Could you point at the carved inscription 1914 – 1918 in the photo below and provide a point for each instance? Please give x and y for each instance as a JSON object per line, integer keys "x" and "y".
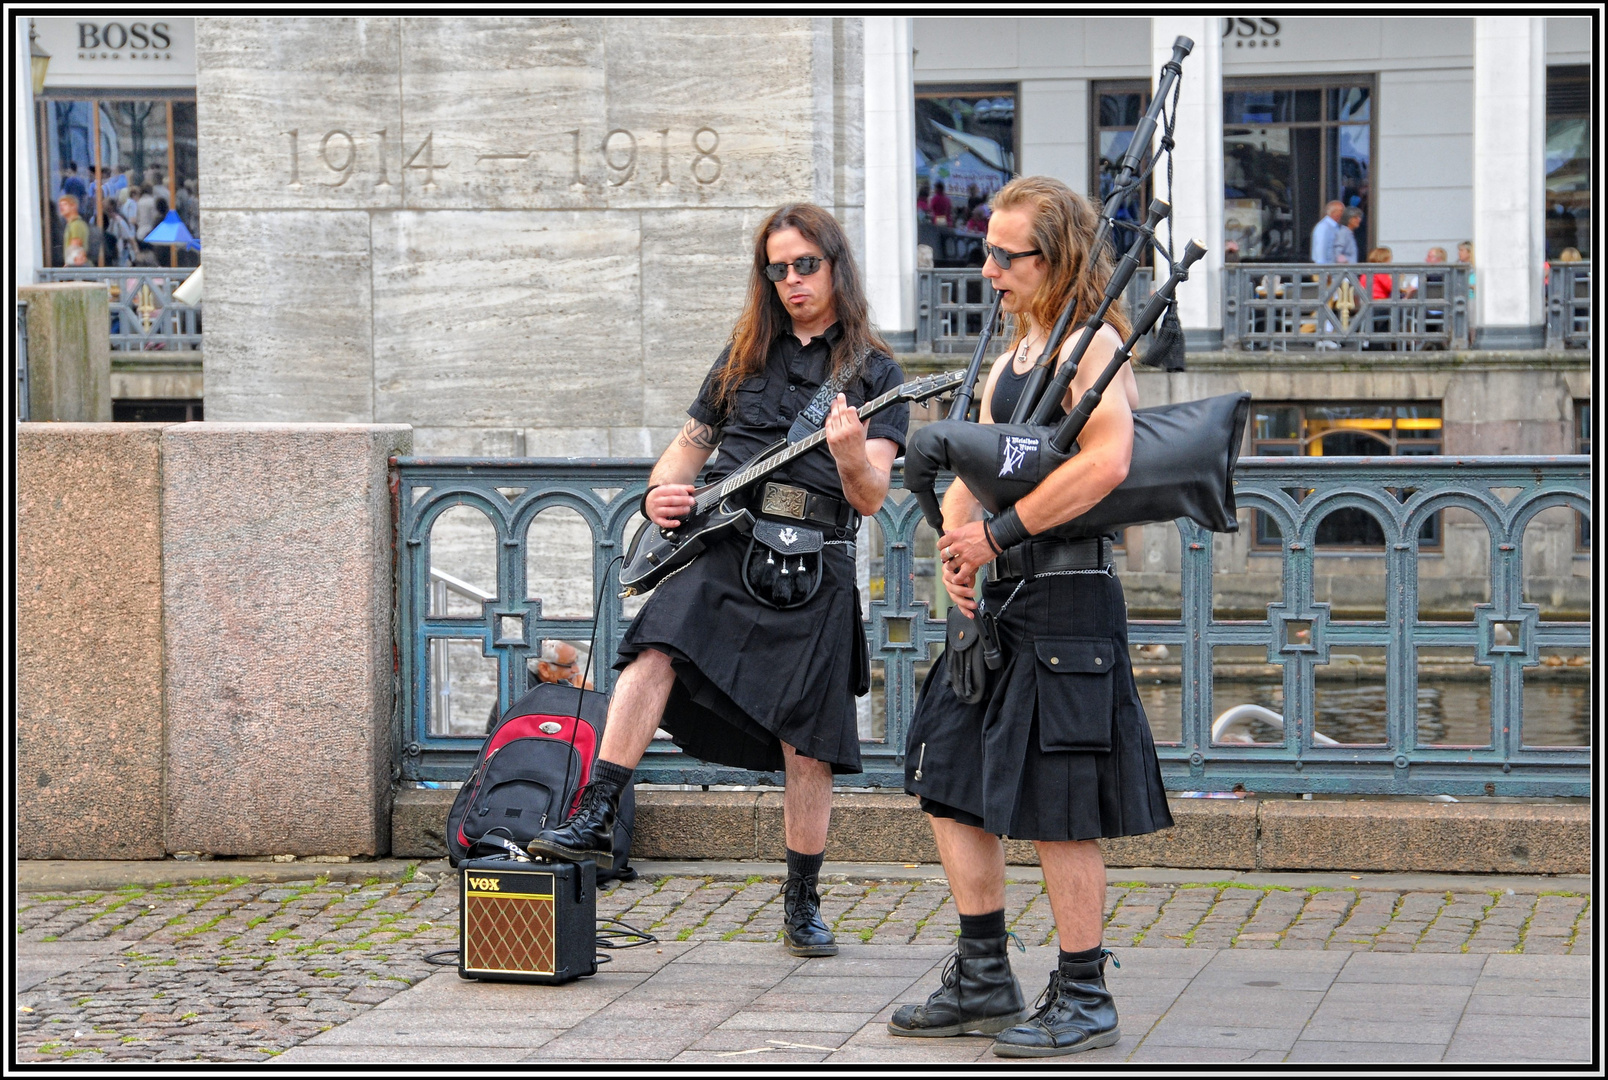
{"x": 341, "y": 153}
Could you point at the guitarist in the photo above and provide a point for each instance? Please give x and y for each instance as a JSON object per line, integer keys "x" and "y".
{"x": 736, "y": 673}
{"x": 1058, "y": 750}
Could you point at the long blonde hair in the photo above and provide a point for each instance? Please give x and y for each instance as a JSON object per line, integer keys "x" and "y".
{"x": 1064, "y": 224}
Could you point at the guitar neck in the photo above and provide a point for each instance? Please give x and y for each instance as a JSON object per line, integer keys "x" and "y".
{"x": 756, "y": 472}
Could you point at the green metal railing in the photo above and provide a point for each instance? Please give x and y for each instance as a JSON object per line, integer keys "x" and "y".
{"x": 1505, "y": 635}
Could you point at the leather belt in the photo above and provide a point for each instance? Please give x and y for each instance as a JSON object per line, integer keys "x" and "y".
{"x": 785, "y": 502}
{"x": 1037, "y": 557}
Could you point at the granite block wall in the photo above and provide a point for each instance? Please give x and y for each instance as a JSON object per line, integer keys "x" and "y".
{"x": 69, "y": 351}
{"x": 280, "y": 673}
{"x": 89, "y": 735}
{"x": 519, "y": 235}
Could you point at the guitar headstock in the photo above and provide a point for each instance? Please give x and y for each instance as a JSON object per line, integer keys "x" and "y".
{"x": 930, "y": 386}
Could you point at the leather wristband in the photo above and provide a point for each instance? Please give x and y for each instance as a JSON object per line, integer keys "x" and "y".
{"x": 1007, "y": 530}
{"x": 642, "y": 507}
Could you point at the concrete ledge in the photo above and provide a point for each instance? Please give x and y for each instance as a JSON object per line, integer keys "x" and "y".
{"x": 1237, "y": 835}
{"x": 1508, "y": 838}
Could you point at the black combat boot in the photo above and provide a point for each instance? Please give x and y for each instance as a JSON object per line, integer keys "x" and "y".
{"x": 806, "y": 933}
{"x": 589, "y": 832}
{"x": 979, "y": 995}
{"x": 1075, "y": 1013}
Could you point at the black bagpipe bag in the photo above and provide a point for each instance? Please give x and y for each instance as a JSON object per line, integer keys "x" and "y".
{"x": 1183, "y": 465}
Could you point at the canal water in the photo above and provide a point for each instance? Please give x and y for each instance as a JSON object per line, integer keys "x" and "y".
{"x": 1451, "y": 712}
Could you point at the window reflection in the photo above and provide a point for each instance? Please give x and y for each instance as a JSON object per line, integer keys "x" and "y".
{"x": 1568, "y": 160}
{"x": 124, "y": 163}
{"x": 1118, "y": 107}
{"x": 1287, "y": 152}
{"x": 1346, "y": 429}
{"x": 965, "y": 151}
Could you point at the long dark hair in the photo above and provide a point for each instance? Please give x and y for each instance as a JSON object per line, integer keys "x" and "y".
{"x": 765, "y": 318}
{"x": 1064, "y": 225}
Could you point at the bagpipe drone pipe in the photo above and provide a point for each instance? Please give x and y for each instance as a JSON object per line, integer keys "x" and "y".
{"x": 1183, "y": 454}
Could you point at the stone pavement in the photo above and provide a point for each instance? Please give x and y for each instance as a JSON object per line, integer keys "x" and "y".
{"x": 1215, "y": 966}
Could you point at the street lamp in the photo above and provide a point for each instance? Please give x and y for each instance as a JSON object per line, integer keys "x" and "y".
{"x": 40, "y": 59}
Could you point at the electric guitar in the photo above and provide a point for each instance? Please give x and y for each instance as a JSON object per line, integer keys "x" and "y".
{"x": 655, "y": 553}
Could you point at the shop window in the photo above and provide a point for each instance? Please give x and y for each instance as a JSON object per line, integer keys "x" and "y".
{"x": 1350, "y": 429}
{"x": 1116, "y": 108}
{"x": 1291, "y": 146}
{"x": 1582, "y": 411}
{"x": 123, "y": 164}
{"x": 1568, "y": 160}
{"x": 965, "y": 151}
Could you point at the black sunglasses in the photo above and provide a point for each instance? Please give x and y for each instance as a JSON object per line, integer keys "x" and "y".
{"x": 804, "y": 264}
{"x": 1003, "y": 257}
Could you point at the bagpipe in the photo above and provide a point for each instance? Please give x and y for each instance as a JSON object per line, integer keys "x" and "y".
{"x": 1183, "y": 454}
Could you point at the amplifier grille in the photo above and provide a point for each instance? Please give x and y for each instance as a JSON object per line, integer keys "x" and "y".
{"x": 509, "y": 933}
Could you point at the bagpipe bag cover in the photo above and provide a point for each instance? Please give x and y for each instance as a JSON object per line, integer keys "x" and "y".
{"x": 1183, "y": 465}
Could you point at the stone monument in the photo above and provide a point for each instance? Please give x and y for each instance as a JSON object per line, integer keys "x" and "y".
{"x": 522, "y": 236}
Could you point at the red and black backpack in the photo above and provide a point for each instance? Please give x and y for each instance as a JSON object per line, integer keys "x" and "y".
{"x": 530, "y": 773}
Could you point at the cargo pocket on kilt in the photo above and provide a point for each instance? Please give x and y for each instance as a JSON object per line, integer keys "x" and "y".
{"x": 1075, "y": 702}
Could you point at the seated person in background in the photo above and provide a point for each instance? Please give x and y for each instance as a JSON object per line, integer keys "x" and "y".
{"x": 1435, "y": 255}
{"x": 1570, "y": 254}
{"x": 1379, "y": 284}
{"x": 1465, "y": 256}
{"x": 561, "y": 662}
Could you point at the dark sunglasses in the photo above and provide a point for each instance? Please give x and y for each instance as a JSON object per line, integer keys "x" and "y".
{"x": 1003, "y": 258}
{"x": 804, "y": 264}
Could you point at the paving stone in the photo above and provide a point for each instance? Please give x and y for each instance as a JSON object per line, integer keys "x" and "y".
{"x": 1310, "y": 1051}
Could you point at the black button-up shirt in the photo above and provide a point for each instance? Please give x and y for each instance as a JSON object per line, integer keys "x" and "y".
{"x": 764, "y": 407}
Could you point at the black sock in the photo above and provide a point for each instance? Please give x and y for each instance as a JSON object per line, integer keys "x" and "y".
{"x": 804, "y": 865}
{"x": 988, "y": 925}
{"x": 607, "y": 770}
{"x": 1087, "y": 956}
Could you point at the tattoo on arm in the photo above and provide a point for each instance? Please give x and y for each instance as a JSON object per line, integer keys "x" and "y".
{"x": 698, "y": 436}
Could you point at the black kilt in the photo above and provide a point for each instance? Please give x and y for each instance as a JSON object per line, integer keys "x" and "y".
{"x": 1059, "y": 747}
{"x": 749, "y": 677}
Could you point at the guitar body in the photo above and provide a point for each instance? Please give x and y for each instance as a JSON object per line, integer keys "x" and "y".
{"x": 654, "y": 553}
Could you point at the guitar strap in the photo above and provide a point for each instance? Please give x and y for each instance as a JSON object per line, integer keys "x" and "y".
{"x": 813, "y": 415}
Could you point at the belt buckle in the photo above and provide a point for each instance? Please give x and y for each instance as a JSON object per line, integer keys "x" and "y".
{"x": 784, "y": 500}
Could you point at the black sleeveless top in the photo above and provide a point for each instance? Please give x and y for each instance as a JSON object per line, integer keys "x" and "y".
{"x": 1008, "y": 390}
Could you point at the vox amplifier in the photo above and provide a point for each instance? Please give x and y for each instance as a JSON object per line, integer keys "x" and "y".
{"x": 527, "y": 921}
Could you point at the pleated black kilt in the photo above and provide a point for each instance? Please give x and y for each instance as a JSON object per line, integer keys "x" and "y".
{"x": 1059, "y": 747}
{"x": 749, "y": 677}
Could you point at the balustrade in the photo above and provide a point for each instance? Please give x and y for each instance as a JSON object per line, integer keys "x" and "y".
{"x": 1299, "y": 637}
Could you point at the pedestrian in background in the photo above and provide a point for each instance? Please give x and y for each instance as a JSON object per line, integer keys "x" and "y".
{"x": 1345, "y": 239}
{"x": 1326, "y": 232}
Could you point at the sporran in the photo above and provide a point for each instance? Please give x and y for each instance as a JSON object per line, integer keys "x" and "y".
{"x": 783, "y": 566}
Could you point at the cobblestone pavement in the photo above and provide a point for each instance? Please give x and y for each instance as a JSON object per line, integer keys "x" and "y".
{"x": 238, "y": 971}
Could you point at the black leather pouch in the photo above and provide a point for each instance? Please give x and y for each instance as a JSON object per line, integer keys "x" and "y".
{"x": 963, "y": 657}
